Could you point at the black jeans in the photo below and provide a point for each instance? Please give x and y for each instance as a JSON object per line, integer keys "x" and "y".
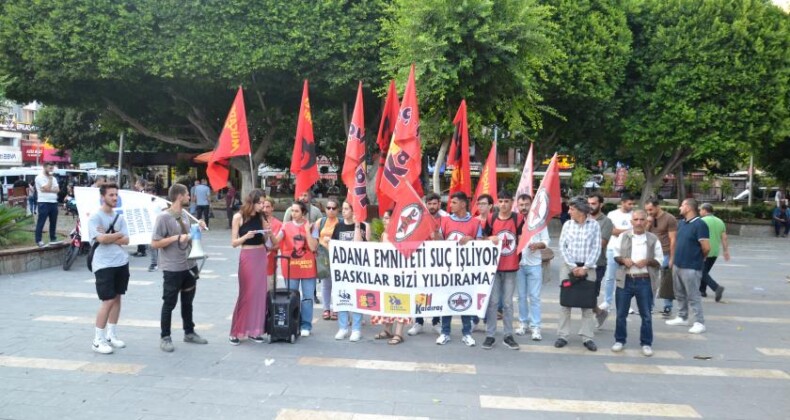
{"x": 203, "y": 212}
{"x": 779, "y": 226}
{"x": 434, "y": 321}
{"x": 707, "y": 280}
{"x": 47, "y": 211}
{"x": 175, "y": 283}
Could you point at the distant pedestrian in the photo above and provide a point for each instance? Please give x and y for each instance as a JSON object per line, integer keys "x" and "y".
{"x": 781, "y": 219}
{"x": 230, "y": 203}
{"x": 203, "y": 201}
{"x": 718, "y": 243}
{"x": 47, "y": 190}
{"x": 691, "y": 248}
{"x": 32, "y": 198}
{"x": 665, "y": 227}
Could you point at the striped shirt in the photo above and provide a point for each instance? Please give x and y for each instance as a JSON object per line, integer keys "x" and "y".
{"x": 581, "y": 242}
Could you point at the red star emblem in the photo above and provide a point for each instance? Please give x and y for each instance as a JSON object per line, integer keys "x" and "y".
{"x": 459, "y": 302}
{"x": 536, "y": 206}
{"x": 507, "y": 242}
{"x": 406, "y": 221}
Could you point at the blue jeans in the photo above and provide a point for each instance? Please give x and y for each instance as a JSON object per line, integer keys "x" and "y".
{"x": 47, "y": 211}
{"x": 529, "y": 281}
{"x": 466, "y": 324}
{"x": 639, "y": 288}
{"x": 665, "y": 265}
{"x": 435, "y": 320}
{"x": 608, "y": 279}
{"x": 356, "y": 320}
{"x": 308, "y": 291}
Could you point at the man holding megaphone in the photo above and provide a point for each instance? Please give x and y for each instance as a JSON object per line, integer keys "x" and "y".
{"x": 177, "y": 260}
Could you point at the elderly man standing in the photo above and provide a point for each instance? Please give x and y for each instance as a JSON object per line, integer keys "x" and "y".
{"x": 580, "y": 245}
{"x": 691, "y": 248}
{"x": 639, "y": 256}
{"x": 718, "y": 241}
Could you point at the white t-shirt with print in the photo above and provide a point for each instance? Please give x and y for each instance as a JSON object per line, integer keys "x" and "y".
{"x": 620, "y": 220}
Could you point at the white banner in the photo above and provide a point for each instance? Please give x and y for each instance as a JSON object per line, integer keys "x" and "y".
{"x": 439, "y": 278}
{"x": 139, "y": 210}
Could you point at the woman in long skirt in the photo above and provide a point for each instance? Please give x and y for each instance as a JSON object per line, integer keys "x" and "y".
{"x": 250, "y": 230}
{"x": 387, "y": 322}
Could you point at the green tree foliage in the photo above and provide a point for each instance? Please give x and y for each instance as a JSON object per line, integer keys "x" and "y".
{"x": 707, "y": 77}
{"x": 15, "y": 226}
{"x": 775, "y": 158}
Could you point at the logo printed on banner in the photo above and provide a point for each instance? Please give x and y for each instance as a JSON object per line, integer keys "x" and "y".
{"x": 408, "y": 220}
{"x": 540, "y": 209}
{"x": 423, "y": 303}
{"x": 509, "y": 242}
{"x": 460, "y": 301}
{"x": 481, "y": 298}
{"x": 368, "y": 299}
{"x": 344, "y": 299}
{"x": 397, "y": 303}
{"x": 455, "y": 236}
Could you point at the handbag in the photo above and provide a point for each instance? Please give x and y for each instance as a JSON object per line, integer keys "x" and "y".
{"x": 666, "y": 290}
{"x": 96, "y": 244}
{"x": 577, "y": 292}
{"x": 322, "y": 262}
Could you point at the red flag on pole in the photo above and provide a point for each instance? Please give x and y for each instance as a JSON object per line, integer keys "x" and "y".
{"x": 525, "y": 184}
{"x": 546, "y": 204}
{"x": 303, "y": 164}
{"x": 354, "y": 169}
{"x": 234, "y": 140}
{"x": 388, "y": 118}
{"x": 458, "y": 157}
{"x": 411, "y": 223}
{"x": 487, "y": 182}
{"x": 404, "y": 157}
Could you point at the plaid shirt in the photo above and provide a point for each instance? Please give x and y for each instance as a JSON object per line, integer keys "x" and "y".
{"x": 581, "y": 242}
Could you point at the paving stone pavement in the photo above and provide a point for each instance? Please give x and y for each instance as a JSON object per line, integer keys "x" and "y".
{"x": 47, "y": 369}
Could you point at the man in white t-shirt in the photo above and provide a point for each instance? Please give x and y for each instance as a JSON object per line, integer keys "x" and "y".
{"x": 621, "y": 219}
{"x": 47, "y": 189}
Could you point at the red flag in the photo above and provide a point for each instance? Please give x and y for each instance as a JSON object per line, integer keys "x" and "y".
{"x": 411, "y": 223}
{"x": 388, "y": 118}
{"x": 403, "y": 163}
{"x": 233, "y": 141}
{"x": 303, "y": 164}
{"x": 458, "y": 157}
{"x": 354, "y": 169}
{"x": 546, "y": 204}
{"x": 487, "y": 182}
{"x": 525, "y": 184}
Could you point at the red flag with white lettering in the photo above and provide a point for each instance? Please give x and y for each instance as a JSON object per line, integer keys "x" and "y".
{"x": 458, "y": 157}
{"x": 411, "y": 223}
{"x": 303, "y": 159}
{"x": 234, "y": 140}
{"x": 546, "y": 204}
{"x": 487, "y": 182}
{"x": 354, "y": 169}
{"x": 389, "y": 116}
{"x": 404, "y": 157}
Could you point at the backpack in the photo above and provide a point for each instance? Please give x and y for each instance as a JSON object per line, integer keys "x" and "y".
{"x": 96, "y": 244}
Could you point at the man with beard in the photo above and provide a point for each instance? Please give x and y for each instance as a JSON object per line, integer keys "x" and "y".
{"x": 665, "y": 227}
{"x": 524, "y": 202}
{"x": 596, "y": 205}
{"x": 47, "y": 190}
{"x": 313, "y": 212}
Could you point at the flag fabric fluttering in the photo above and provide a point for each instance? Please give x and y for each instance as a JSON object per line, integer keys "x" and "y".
{"x": 458, "y": 156}
{"x": 404, "y": 157}
{"x": 525, "y": 184}
{"x": 354, "y": 173}
{"x": 546, "y": 204}
{"x": 411, "y": 223}
{"x": 234, "y": 140}
{"x": 487, "y": 182}
{"x": 303, "y": 159}
{"x": 389, "y": 117}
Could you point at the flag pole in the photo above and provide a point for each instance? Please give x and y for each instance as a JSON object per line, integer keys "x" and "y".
{"x": 252, "y": 170}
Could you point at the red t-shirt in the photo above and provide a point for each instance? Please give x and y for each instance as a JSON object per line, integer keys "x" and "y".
{"x": 508, "y": 233}
{"x": 294, "y": 245}
{"x": 453, "y": 230}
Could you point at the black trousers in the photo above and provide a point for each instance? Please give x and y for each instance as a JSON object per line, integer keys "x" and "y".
{"x": 175, "y": 283}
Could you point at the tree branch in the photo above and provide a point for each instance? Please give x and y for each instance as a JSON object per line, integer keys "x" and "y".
{"x": 197, "y": 118}
{"x": 142, "y": 129}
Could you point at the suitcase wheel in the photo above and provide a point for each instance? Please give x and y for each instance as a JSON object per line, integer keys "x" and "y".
{"x": 292, "y": 340}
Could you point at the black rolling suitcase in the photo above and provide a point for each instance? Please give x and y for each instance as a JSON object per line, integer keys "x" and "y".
{"x": 283, "y": 311}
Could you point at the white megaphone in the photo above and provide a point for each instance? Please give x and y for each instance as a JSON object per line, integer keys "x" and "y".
{"x": 197, "y": 252}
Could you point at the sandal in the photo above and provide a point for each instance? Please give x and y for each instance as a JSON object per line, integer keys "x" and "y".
{"x": 383, "y": 335}
{"x": 334, "y": 316}
{"x": 327, "y": 315}
{"x": 396, "y": 339}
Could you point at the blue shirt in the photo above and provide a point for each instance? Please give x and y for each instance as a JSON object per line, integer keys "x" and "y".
{"x": 781, "y": 214}
{"x": 688, "y": 251}
{"x": 202, "y": 195}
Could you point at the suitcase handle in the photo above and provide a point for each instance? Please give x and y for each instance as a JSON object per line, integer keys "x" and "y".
{"x": 286, "y": 276}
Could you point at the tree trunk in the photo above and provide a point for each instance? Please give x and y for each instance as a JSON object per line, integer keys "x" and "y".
{"x": 651, "y": 179}
{"x": 681, "y": 184}
{"x": 437, "y": 184}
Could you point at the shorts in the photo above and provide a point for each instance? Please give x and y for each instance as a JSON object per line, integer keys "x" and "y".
{"x": 112, "y": 281}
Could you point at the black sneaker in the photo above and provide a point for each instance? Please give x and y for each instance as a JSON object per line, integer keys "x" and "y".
{"x": 719, "y": 293}
{"x": 510, "y": 343}
{"x": 488, "y": 344}
{"x": 258, "y": 339}
{"x": 560, "y": 343}
{"x": 590, "y": 345}
{"x": 234, "y": 341}
{"x": 667, "y": 312}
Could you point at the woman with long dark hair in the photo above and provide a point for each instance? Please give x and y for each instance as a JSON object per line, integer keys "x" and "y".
{"x": 250, "y": 230}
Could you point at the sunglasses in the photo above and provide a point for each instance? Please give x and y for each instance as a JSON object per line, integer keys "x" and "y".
{"x": 331, "y": 208}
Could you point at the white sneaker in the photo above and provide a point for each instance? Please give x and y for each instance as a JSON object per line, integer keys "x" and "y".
{"x": 355, "y": 336}
{"x": 341, "y": 334}
{"x": 415, "y": 329}
{"x": 116, "y": 342}
{"x": 603, "y": 306}
{"x": 697, "y": 328}
{"x": 468, "y": 340}
{"x": 438, "y": 328}
{"x": 647, "y": 351}
{"x": 678, "y": 321}
{"x": 536, "y": 335}
{"x": 522, "y": 329}
{"x": 102, "y": 346}
{"x": 305, "y": 333}
{"x": 443, "y": 339}
{"x": 617, "y": 347}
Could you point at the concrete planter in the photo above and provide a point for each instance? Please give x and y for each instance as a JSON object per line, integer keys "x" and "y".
{"x": 22, "y": 260}
{"x": 752, "y": 229}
